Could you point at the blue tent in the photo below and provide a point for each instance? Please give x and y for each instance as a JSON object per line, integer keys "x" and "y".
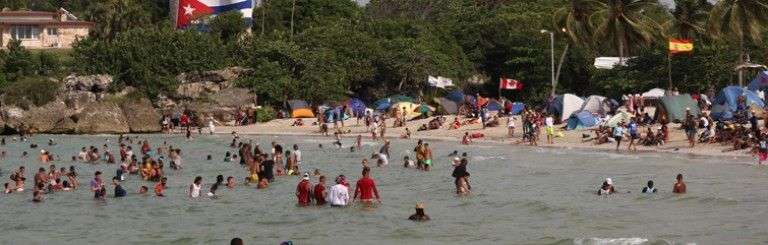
{"x": 730, "y": 96}
{"x": 455, "y": 96}
{"x": 357, "y": 106}
{"x": 582, "y": 119}
{"x": 494, "y": 105}
{"x": 760, "y": 82}
{"x": 385, "y": 103}
{"x": 330, "y": 113}
{"x": 517, "y": 108}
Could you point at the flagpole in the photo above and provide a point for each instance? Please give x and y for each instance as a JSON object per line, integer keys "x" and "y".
{"x": 669, "y": 69}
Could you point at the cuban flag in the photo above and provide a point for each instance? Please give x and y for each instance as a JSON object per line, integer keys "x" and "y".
{"x": 190, "y": 10}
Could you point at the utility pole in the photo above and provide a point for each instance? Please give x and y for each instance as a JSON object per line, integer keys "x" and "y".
{"x": 552, "y": 59}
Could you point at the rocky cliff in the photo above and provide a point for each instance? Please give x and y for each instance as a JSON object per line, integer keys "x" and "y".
{"x": 83, "y": 105}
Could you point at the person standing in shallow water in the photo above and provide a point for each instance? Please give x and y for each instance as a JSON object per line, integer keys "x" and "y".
{"x": 420, "y": 215}
{"x": 679, "y": 186}
{"x": 319, "y": 191}
{"x": 366, "y": 188}
{"x": 303, "y": 191}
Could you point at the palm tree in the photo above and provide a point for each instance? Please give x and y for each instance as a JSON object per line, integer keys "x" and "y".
{"x": 743, "y": 20}
{"x": 623, "y": 23}
{"x": 688, "y": 18}
{"x": 573, "y": 20}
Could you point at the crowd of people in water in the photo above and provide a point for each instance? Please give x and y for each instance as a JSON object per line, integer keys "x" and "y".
{"x": 260, "y": 169}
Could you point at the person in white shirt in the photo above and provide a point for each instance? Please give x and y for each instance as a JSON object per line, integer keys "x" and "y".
{"x": 550, "y": 129}
{"x": 510, "y": 126}
{"x": 297, "y": 154}
{"x": 338, "y": 196}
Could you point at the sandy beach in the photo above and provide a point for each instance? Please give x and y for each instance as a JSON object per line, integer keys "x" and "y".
{"x": 571, "y": 140}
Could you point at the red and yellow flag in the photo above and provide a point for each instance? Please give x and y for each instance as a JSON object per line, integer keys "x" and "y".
{"x": 677, "y": 46}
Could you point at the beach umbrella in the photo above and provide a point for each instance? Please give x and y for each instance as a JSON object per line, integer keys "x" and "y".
{"x": 455, "y": 96}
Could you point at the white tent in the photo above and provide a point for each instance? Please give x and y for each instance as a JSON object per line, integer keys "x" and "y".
{"x": 610, "y": 62}
{"x": 571, "y": 104}
{"x": 654, "y": 93}
{"x": 596, "y": 104}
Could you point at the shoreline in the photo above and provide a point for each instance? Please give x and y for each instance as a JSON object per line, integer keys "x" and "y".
{"x": 677, "y": 145}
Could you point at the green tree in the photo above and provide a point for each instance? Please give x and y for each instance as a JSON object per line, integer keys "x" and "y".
{"x": 688, "y": 19}
{"x": 742, "y": 21}
{"x": 228, "y": 26}
{"x": 115, "y": 16}
{"x": 624, "y": 23}
{"x": 18, "y": 61}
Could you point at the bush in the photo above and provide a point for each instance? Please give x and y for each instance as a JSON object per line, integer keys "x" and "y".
{"x": 30, "y": 91}
{"x": 265, "y": 114}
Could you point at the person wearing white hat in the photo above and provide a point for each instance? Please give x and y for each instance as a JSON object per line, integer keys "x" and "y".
{"x": 303, "y": 191}
{"x": 607, "y": 188}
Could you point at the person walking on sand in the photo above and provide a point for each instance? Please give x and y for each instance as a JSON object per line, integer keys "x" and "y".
{"x": 549, "y": 128}
{"x": 365, "y": 189}
{"x": 679, "y": 186}
{"x": 618, "y": 134}
{"x": 634, "y": 134}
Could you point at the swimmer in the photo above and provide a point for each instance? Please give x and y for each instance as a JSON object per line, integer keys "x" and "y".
{"x": 453, "y": 154}
{"x": 119, "y": 191}
{"x": 365, "y": 190}
{"x": 160, "y": 187}
{"x": 194, "y": 188}
{"x": 649, "y": 188}
{"x": 228, "y": 157}
{"x": 215, "y": 186}
{"x": 208, "y": 158}
{"x": 359, "y": 142}
{"x": 8, "y": 189}
{"x": 143, "y": 189}
{"x": 679, "y": 186}
{"x": 420, "y": 215}
{"x": 407, "y": 162}
{"x": 38, "y": 194}
{"x": 381, "y": 159}
{"x": 606, "y": 188}
{"x": 231, "y": 182}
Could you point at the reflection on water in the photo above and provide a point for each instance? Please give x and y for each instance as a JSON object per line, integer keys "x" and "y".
{"x": 521, "y": 195}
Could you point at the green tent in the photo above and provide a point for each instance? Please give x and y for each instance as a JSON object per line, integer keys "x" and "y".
{"x": 672, "y": 108}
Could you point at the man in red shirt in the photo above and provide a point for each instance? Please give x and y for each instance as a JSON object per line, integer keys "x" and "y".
{"x": 302, "y": 191}
{"x": 320, "y": 191}
{"x": 366, "y": 188}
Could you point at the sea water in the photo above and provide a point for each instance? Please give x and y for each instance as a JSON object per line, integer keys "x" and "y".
{"x": 521, "y": 195}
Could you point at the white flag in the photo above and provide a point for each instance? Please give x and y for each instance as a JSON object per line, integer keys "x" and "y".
{"x": 440, "y": 82}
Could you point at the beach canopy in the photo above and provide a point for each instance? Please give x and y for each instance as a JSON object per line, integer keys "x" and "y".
{"x": 357, "y": 106}
{"x": 673, "y": 107}
{"x": 581, "y": 120}
{"x": 449, "y": 106}
{"x": 654, "y": 93}
{"x": 729, "y": 96}
{"x": 620, "y": 117}
{"x": 565, "y": 105}
{"x": 596, "y": 104}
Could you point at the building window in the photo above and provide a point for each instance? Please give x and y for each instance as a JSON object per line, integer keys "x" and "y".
{"x": 25, "y": 32}
{"x": 53, "y": 31}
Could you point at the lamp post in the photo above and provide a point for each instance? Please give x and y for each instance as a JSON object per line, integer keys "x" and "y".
{"x": 552, "y": 58}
